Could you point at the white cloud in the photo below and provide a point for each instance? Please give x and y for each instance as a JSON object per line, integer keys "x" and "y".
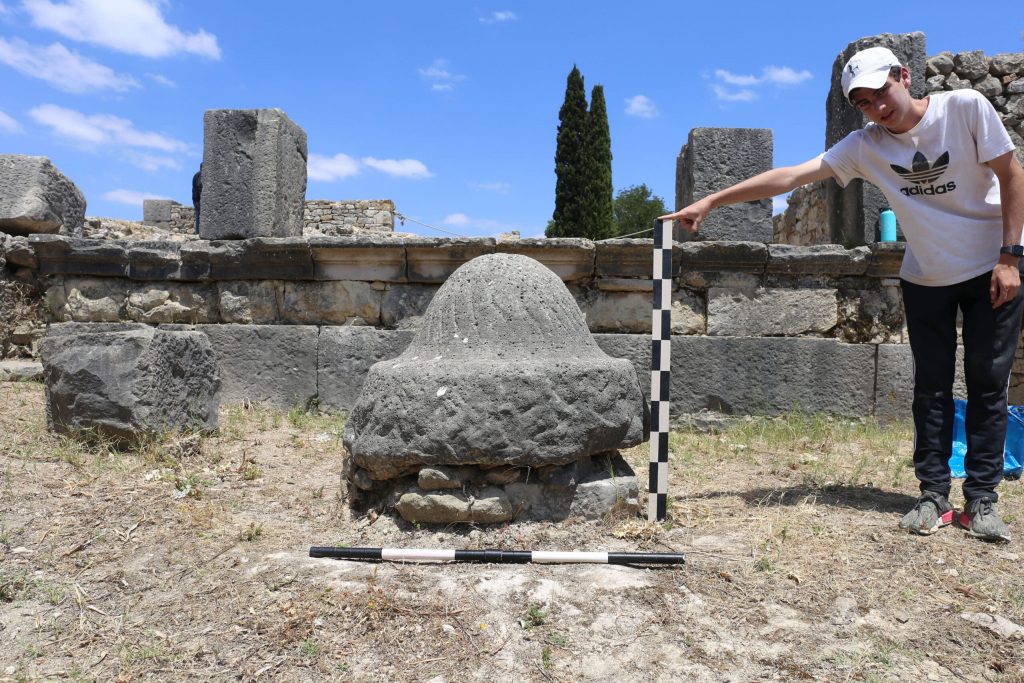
{"x": 8, "y": 124}
{"x": 779, "y": 76}
{"x": 641, "y": 106}
{"x": 456, "y": 219}
{"x": 162, "y": 80}
{"x": 783, "y": 75}
{"x": 130, "y": 197}
{"x": 62, "y": 68}
{"x": 727, "y": 95}
{"x": 399, "y": 168}
{"x": 152, "y": 162}
{"x": 101, "y": 129}
{"x": 328, "y": 169}
{"x": 503, "y": 188}
{"x": 133, "y": 26}
{"x": 499, "y": 17}
{"x": 439, "y": 77}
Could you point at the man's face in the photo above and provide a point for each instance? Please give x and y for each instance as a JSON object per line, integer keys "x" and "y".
{"x": 888, "y": 106}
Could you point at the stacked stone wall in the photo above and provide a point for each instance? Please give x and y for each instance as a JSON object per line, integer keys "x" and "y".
{"x": 332, "y": 218}
{"x": 756, "y": 328}
{"x": 1000, "y": 78}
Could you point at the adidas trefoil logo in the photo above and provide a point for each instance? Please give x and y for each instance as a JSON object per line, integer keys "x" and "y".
{"x": 924, "y": 174}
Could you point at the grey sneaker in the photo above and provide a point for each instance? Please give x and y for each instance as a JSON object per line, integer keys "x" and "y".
{"x": 982, "y": 521}
{"x": 931, "y": 513}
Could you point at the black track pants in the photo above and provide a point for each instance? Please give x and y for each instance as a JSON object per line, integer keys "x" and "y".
{"x": 990, "y": 339}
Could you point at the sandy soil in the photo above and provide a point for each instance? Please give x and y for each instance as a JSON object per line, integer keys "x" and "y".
{"x": 188, "y": 560}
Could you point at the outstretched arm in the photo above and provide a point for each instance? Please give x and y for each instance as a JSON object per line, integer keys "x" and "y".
{"x": 768, "y": 184}
{"x": 1005, "y": 275}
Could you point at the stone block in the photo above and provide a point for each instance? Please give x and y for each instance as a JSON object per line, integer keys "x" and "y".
{"x": 771, "y": 312}
{"x": 76, "y": 256}
{"x": 16, "y": 370}
{"x": 489, "y": 506}
{"x": 254, "y": 174}
{"x": 434, "y": 259}
{"x": 35, "y": 197}
{"x": 688, "y": 313}
{"x": 90, "y": 301}
{"x": 274, "y": 365}
{"x": 757, "y": 376}
{"x": 331, "y": 303}
{"x": 364, "y": 257}
{"x": 1007, "y": 63}
{"x": 616, "y": 311}
{"x": 853, "y": 210}
{"x": 716, "y": 257}
{"x": 153, "y": 260}
{"x": 570, "y": 258}
{"x": 18, "y": 251}
{"x": 629, "y": 257}
{"x": 823, "y": 259}
{"x": 886, "y": 259}
{"x": 346, "y": 354}
{"x": 870, "y": 315}
{"x": 173, "y": 303}
{"x": 156, "y": 211}
{"x": 894, "y": 392}
{"x": 129, "y": 385}
{"x": 249, "y": 302}
{"x": 402, "y": 306}
{"x": 713, "y": 159}
{"x": 261, "y": 259}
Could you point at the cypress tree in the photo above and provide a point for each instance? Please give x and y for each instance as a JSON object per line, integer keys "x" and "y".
{"x": 598, "y": 210}
{"x": 570, "y": 181}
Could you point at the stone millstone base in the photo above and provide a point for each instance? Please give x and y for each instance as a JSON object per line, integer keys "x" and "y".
{"x": 590, "y": 488}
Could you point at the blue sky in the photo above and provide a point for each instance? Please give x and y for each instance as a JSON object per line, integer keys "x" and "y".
{"x": 448, "y": 108}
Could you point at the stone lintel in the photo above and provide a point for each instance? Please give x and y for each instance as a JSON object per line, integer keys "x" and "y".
{"x": 571, "y": 258}
{"x": 76, "y": 256}
{"x": 368, "y": 258}
{"x": 261, "y": 258}
{"x": 886, "y": 259}
{"x": 434, "y": 259}
{"x": 629, "y": 258}
{"x": 195, "y": 261}
{"x": 715, "y": 256}
{"x": 823, "y": 259}
{"x": 154, "y": 260}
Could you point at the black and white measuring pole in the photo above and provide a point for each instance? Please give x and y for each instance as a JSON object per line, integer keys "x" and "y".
{"x": 493, "y": 556}
{"x": 661, "y": 368}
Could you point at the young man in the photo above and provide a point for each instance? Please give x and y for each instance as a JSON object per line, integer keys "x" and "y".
{"x": 948, "y": 169}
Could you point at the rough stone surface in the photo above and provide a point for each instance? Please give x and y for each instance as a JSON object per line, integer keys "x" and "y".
{"x": 713, "y": 159}
{"x": 604, "y": 490}
{"x": 254, "y": 174}
{"x": 687, "y": 313}
{"x": 173, "y": 303}
{"x": 403, "y": 306}
{"x": 824, "y": 259}
{"x": 940, "y": 65}
{"x": 757, "y": 376}
{"x": 345, "y": 357}
{"x": 628, "y": 257}
{"x": 59, "y": 255}
{"x": 261, "y": 259}
{"x": 488, "y": 507}
{"x": 894, "y": 392}
{"x": 971, "y": 65}
{"x": 502, "y": 371}
{"x": 21, "y": 371}
{"x": 156, "y": 211}
{"x": 89, "y": 300}
{"x": 35, "y": 197}
{"x": 130, "y": 384}
{"x": 616, "y": 311}
{"x": 870, "y": 316}
{"x": 1007, "y": 63}
{"x": 275, "y": 365}
{"x": 989, "y": 86}
{"x": 771, "y": 312}
{"x": 805, "y": 220}
{"x": 441, "y": 477}
{"x": 853, "y": 210}
{"x": 571, "y": 258}
{"x": 332, "y": 303}
{"x": 249, "y": 303}
{"x": 18, "y": 252}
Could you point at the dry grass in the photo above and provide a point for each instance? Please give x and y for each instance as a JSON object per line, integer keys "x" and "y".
{"x": 187, "y": 560}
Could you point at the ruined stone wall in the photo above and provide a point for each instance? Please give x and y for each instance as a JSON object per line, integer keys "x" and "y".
{"x": 999, "y": 78}
{"x": 757, "y": 328}
{"x": 326, "y": 217}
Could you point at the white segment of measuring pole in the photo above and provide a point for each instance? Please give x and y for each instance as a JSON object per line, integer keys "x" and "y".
{"x": 661, "y": 364}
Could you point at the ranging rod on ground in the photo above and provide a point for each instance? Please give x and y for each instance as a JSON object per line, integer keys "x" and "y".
{"x": 661, "y": 368}
{"x": 493, "y": 556}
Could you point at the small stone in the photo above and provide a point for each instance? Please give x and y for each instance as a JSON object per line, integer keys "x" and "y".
{"x": 995, "y": 623}
{"x": 989, "y": 86}
{"x": 502, "y": 475}
{"x": 1007, "y": 63}
{"x": 954, "y": 82}
{"x": 436, "y": 478}
{"x": 939, "y": 65}
{"x": 935, "y": 83}
{"x": 971, "y": 65}
{"x": 362, "y": 480}
{"x": 1015, "y": 87}
{"x": 448, "y": 629}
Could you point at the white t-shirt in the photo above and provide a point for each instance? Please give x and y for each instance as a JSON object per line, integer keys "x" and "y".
{"x": 945, "y": 198}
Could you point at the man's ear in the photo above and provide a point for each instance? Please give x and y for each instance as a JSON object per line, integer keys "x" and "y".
{"x": 905, "y": 77}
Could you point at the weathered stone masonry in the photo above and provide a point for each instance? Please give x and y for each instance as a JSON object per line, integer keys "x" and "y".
{"x": 320, "y": 216}
{"x": 758, "y": 328}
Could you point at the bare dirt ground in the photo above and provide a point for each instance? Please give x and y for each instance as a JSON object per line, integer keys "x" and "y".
{"x": 187, "y": 560}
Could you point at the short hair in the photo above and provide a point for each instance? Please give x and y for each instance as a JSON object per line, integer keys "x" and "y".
{"x": 896, "y": 73}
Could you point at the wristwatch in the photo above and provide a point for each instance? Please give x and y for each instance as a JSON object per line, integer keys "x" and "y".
{"x": 1013, "y": 250}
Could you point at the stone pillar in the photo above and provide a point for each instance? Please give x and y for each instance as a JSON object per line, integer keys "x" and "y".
{"x": 713, "y": 159}
{"x": 853, "y": 210}
{"x": 156, "y": 211}
{"x": 254, "y": 174}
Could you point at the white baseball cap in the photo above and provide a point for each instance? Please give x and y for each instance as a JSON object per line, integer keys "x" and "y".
{"x": 868, "y": 69}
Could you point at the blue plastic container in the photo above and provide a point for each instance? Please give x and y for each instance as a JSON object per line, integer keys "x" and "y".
{"x": 887, "y": 225}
